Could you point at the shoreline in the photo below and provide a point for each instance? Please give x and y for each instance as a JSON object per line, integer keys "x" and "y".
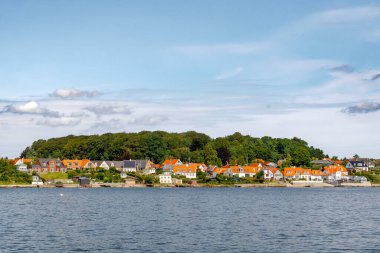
{"x": 122, "y": 185}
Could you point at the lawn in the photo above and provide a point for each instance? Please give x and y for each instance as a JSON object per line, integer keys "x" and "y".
{"x": 54, "y": 175}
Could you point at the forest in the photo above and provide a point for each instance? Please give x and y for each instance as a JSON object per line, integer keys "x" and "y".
{"x": 188, "y": 146}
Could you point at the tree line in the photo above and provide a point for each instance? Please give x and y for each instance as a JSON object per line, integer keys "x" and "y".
{"x": 189, "y": 146}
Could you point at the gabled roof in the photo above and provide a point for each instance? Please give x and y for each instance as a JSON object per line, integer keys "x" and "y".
{"x": 171, "y": 161}
{"x": 359, "y": 164}
{"x": 185, "y": 168}
{"x": 23, "y": 160}
{"x": 45, "y": 161}
{"x": 81, "y": 163}
{"x": 333, "y": 169}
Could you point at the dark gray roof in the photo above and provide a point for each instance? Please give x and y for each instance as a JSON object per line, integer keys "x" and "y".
{"x": 321, "y": 162}
{"x": 138, "y": 164}
{"x": 359, "y": 164}
{"x": 129, "y": 164}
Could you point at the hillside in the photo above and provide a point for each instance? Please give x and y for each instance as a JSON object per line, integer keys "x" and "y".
{"x": 188, "y": 146}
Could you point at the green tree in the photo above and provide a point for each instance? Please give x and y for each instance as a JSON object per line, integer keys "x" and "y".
{"x": 211, "y": 156}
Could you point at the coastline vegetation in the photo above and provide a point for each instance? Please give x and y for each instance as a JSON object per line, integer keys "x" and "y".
{"x": 10, "y": 175}
{"x": 188, "y": 146}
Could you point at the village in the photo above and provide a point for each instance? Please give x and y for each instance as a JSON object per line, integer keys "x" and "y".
{"x": 173, "y": 172}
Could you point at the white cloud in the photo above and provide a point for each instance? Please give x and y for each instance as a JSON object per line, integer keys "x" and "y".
{"x": 353, "y": 87}
{"x": 148, "y": 120}
{"x": 74, "y": 93}
{"x": 344, "y": 15}
{"x": 32, "y": 107}
{"x": 58, "y": 122}
{"x": 107, "y": 109}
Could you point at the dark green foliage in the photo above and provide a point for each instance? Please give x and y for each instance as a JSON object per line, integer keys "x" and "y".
{"x": 9, "y": 174}
{"x": 188, "y": 146}
{"x": 224, "y": 155}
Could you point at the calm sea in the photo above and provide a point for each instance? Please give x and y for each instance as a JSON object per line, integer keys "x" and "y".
{"x": 190, "y": 220}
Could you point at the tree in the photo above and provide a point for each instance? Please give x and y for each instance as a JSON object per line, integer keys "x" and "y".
{"x": 301, "y": 156}
{"x": 224, "y": 155}
{"x": 211, "y": 156}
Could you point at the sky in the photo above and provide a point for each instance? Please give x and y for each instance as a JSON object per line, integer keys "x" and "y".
{"x": 309, "y": 69}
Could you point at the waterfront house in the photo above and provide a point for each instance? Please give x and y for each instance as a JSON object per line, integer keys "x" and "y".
{"x": 139, "y": 166}
{"x": 357, "y": 165}
{"x": 316, "y": 175}
{"x": 257, "y": 166}
{"x": 296, "y": 173}
{"x": 165, "y": 178}
{"x": 44, "y": 165}
{"x": 75, "y": 164}
{"x": 129, "y": 166}
{"x": 111, "y": 164}
{"x": 245, "y": 171}
{"x": 335, "y": 173}
{"x": 272, "y": 174}
{"x": 169, "y": 164}
{"x": 187, "y": 170}
{"x": 22, "y": 167}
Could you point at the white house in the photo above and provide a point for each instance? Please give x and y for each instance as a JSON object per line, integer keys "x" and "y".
{"x": 272, "y": 174}
{"x": 165, "y": 178}
{"x": 187, "y": 170}
{"x": 357, "y": 165}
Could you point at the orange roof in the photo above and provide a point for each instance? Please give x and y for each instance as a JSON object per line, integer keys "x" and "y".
{"x": 24, "y": 160}
{"x": 245, "y": 169}
{"x": 81, "y": 163}
{"x": 170, "y": 161}
{"x": 185, "y": 168}
{"x": 332, "y": 169}
{"x": 316, "y": 172}
{"x": 291, "y": 171}
{"x": 273, "y": 170}
{"x": 256, "y": 165}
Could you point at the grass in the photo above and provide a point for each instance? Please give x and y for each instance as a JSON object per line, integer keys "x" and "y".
{"x": 54, "y": 175}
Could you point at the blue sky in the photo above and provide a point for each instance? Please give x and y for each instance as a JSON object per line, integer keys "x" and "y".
{"x": 279, "y": 68}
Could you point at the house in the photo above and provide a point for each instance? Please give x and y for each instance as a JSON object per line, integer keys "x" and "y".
{"x": 22, "y": 167}
{"x": 169, "y": 164}
{"x": 165, "y": 178}
{"x": 44, "y": 165}
{"x": 272, "y": 174}
{"x": 357, "y": 165}
{"x": 296, "y": 173}
{"x": 258, "y": 166}
{"x": 140, "y": 166}
{"x": 110, "y": 164}
{"x": 187, "y": 170}
{"x": 212, "y": 171}
{"x": 129, "y": 166}
{"x": 75, "y": 164}
{"x": 23, "y": 160}
{"x": 200, "y": 166}
{"x": 36, "y": 180}
{"x": 335, "y": 172}
{"x": 245, "y": 171}
{"x": 316, "y": 175}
